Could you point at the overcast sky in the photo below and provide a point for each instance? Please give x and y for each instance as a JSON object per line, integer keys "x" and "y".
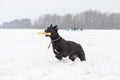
{"x": 18, "y": 9}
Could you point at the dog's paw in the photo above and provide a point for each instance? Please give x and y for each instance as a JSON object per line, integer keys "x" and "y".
{"x": 58, "y": 57}
{"x": 64, "y": 55}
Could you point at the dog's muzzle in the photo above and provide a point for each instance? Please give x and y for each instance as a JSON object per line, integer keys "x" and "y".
{"x": 47, "y": 33}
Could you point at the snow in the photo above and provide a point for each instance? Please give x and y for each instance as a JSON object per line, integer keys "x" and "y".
{"x": 24, "y": 56}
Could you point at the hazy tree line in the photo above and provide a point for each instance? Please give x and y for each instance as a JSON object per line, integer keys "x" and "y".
{"x": 91, "y": 19}
{"x": 17, "y": 24}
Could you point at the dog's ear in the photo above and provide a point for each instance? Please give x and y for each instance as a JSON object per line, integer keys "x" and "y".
{"x": 50, "y": 25}
{"x": 56, "y": 27}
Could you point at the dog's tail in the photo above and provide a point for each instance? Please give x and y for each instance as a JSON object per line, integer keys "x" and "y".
{"x": 82, "y": 54}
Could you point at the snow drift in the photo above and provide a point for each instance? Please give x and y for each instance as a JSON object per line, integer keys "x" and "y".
{"x": 24, "y": 56}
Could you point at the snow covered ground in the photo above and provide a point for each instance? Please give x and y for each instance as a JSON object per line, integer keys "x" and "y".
{"x": 24, "y": 56}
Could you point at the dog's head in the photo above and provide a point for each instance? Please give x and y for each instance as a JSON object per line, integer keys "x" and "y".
{"x": 53, "y": 30}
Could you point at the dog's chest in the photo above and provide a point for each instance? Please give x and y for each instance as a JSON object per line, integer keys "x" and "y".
{"x": 57, "y": 48}
{"x": 58, "y": 45}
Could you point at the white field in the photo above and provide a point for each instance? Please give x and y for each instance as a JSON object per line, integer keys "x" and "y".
{"x": 24, "y": 56}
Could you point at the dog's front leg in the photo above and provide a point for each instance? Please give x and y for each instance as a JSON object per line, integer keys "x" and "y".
{"x": 58, "y": 56}
{"x": 64, "y": 54}
{"x": 55, "y": 51}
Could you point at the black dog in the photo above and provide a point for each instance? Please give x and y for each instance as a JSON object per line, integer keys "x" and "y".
{"x": 63, "y": 48}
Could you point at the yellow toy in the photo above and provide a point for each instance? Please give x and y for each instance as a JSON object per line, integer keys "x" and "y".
{"x": 46, "y": 33}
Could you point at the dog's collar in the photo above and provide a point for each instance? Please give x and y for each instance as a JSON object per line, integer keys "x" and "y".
{"x": 53, "y": 41}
